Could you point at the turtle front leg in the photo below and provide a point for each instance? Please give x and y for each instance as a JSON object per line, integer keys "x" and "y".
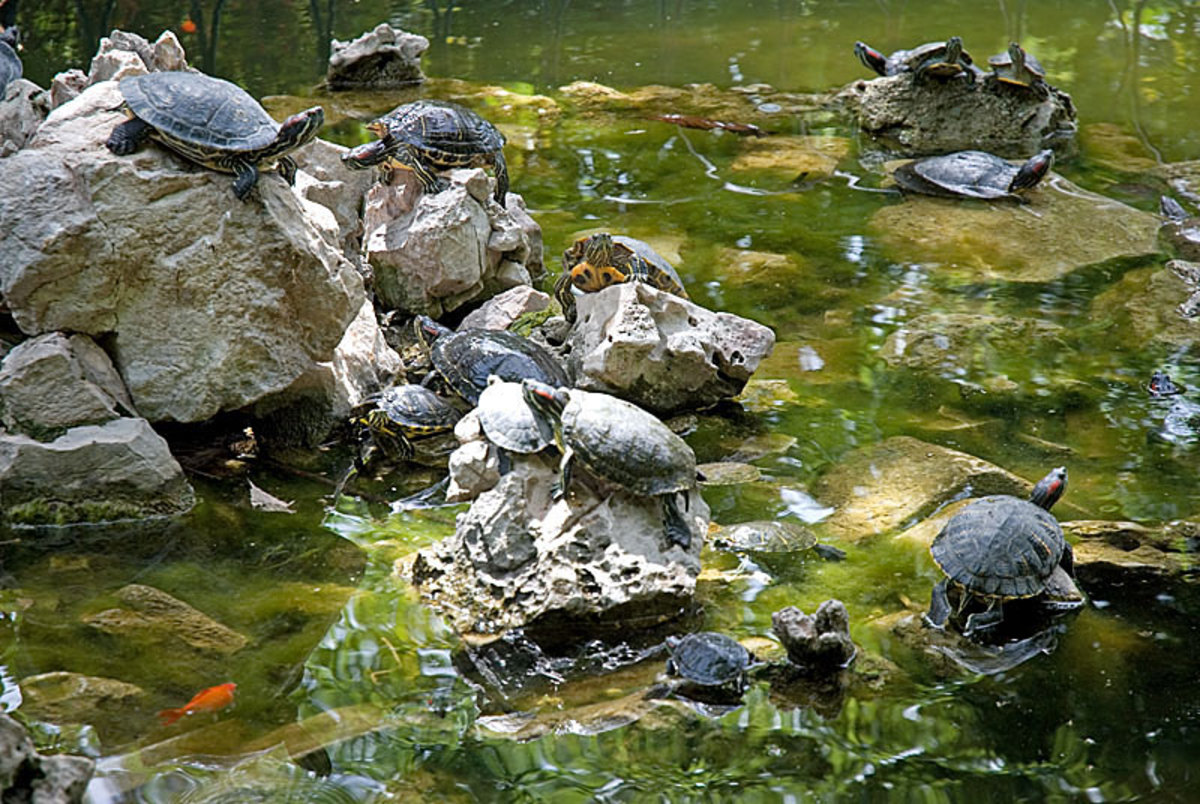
{"x": 129, "y": 136}
{"x": 676, "y": 525}
{"x": 501, "y": 178}
{"x": 559, "y": 489}
{"x": 287, "y": 168}
{"x": 939, "y": 606}
{"x": 247, "y": 177}
{"x": 412, "y": 160}
{"x": 984, "y": 620}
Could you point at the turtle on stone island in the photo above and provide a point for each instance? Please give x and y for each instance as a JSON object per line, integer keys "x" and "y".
{"x": 996, "y": 549}
{"x": 428, "y": 135}
{"x": 508, "y": 421}
{"x": 972, "y": 174}
{"x": 936, "y": 59}
{"x": 1017, "y": 68}
{"x": 597, "y": 261}
{"x": 211, "y": 122}
{"x": 711, "y": 666}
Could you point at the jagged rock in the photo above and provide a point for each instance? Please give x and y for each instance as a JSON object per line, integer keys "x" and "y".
{"x": 1145, "y": 305}
{"x": 23, "y": 107}
{"x": 433, "y": 253}
{"x": 475, "y": 466}
{"x": 915, "y": 117}
{"x": 334, "y": 190}
{"x": 385, "y": 58}
{"x": 1121, "y": 555}
{"x": 63, "y": 697}
{"x": 499, "y": 312}
{"x": 879, "y": 488}
{"x": 660, "y": 351}
{"x": 53, "y": 382}
{"x": 818, "y": 643}
{"x": 124, "y": 53}
{"x": 150, "y": 613}
{"x": 26, "y": 775}
{"x": 304, "y": 413}
{"x": 520, "y": 558}
{"x": 208, "y": 303}
{"x": 67, "y": 86}
{"x": 121, "y": 469}
{"x": 1041, "y": 241}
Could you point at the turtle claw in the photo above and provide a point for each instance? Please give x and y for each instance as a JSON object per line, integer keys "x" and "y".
{"x": 983, "y": 620}
{"x": 939, "y": 607}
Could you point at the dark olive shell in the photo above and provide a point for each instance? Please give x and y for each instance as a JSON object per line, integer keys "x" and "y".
{"x": 199, "y": 110}
{"x": 972, "y": 174}
{"x": 415, "y": 410}
{"x": 708, "y": 658}
{"x": 448, "y": 135}
{"x": 466, "y": 359}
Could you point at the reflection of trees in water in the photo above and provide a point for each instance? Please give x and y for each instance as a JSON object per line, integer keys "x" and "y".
{"x": 207, "y": 35}
{"x": 322, "y": 22}
{"x": 94, "y": 20}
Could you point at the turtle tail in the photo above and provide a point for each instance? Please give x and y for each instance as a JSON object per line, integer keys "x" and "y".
{"x": 676, "y": 525}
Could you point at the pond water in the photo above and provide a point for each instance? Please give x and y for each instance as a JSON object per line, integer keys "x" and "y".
{"x": 359, "y": 680}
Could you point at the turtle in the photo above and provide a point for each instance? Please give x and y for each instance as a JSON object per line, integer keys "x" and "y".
{"x": 619, "y": 442}
{"x": 10, "y": 63}
{"x": 773, "y": 536}
{"x": 972, "y": 174}
{"x": 509, "y": 422}
{"x": 466, "y": 359}
{"x": 940, "y": 59}
{"x": 711, "y": 666}
{"x": 1161, "y": 384}
{"x": 405, "y": 412}
{"x": 999, "y": 548}
{"x": 211, "y": 122}
{"x": 428, "y": 135}
{"x": 1180, "y": 232}
{"x": 599, "y": 260}
{"x": 1017, "y": 68}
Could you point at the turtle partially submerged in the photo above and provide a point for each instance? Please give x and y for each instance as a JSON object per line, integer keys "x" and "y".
{"x": 711, "y": 666}
{"x": 1015, "y": 67}
{"x": 1161, "y": 385}
{"x": 599, "y": 260}
{"x": 402, "y": 413}
{"x": 935, "y": 59}
{"x": 465, "y": 360}
{"x": 213, "y": 123}
{"x": 619, "y": 442}
{"x": 996, "y": 549}
{"x": 10, "y": 62}
{"x": 1180, "y": 231}
{"x": 427, "y": 135}
{"x": 972, "y": 174}
{"x": 773, "y": 536}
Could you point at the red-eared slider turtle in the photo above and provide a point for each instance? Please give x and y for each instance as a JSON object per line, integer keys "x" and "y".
{"x": 1180, "y": 232}
{"x": 596, "y": 261}
{"x": 212, "y": 123}
{"x": 466, "y": 359}
{"x": 403, "y": 413}
{"x": 999, "y": 548}
{"x": 10, "y": 63}
{"x": 618, "y": 441}
{"x": 773, "y": 536}
{"x": 711, "y": 666}
{"x": 939, "y": 59}
{"x": 1161, "y": 384}
{"x": 972, "y": 174}
{"x": 1017, "y": 68}
{"x": 427, "y": 135}
{"x": 509, "y": 422}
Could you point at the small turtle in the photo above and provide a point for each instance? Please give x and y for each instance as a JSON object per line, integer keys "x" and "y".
{"x": 10, "y": 62}
{"x": 1161, "y": 384}
{"x": 712, "y": 666}
{"x": 950, "y": 62}
{"x": 939, "y": 59}
{"x": 466, "y": 359}
{"x": 509, "y": 422}
{"x": 599, "y": 260}
{"x": 1017, "y": 68}
{"x": 619, "y": 442}
{"x": 428, "y": 135}
{"x": 1180, "y": 232}
{"x": 212, "y": 123}
{"x": 999, "y": 548}
{"x": 773, "y": 536}
{"x": 972, "y": 174}
{"x": 402, "y": 413}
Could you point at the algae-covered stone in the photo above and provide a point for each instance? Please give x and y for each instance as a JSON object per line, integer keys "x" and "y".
{"x": 798, "y": 155}
{"x": 1123, "y": 554}
{"x": 153, "y": 615}
{"x": 64, "y": 697}
{"x": 1144, "y": 308}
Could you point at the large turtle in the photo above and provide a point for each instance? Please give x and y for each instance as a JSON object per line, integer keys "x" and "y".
{"x": 711, "y": 666}
{"x": 999, "y": 548}
{"x": 428, "y": 135}
{"x": 1017, "y": 68}
{"x": 618, "y": 441}
{"x": 466, "y": 359}
{"x": 972, "y": 174}
{"x": 10, "y": 63}
{"x": 212, "y": 123}
{"x": 599, "y": 260}
{"x": 938, "y": 59}
{"x": 404, "y": 412}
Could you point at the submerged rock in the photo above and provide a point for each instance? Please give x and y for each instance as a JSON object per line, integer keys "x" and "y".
{"x": 1149, "y": 305}
{"x": 151, "y": 614}
{"x": 385, "y": 58}
{"x": 660, "y": 351}
{"x": 63, "y": 697}
{"x": 26, "y": 775}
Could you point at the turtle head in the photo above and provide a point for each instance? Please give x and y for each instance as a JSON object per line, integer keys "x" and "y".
{"x": 953, "y": 49}
{"x": 1171, "y": 209}
{"x": 1032, "y": 171}
{"x": 598, "y": 249}
{"x": 1049, "y": 488}
{"x": 544, "y": 399}
{"x": 366, "y": 155}
{"x": 428, "y": 330}
{"x": 871, "y": 58}
{"x": 301, "y": 127}
{"x": 1017, "y": 54}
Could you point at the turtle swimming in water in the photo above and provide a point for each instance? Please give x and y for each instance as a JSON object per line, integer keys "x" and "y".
{"x": 600, "y": 260}
{"x": 428, "y": 135}
{"x": 213, "y": 123}
{"x": 972, "y": 174}
{"x": 996, "y": 549}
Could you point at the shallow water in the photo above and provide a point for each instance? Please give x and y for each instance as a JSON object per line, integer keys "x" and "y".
{"x": 1110, "y": 714}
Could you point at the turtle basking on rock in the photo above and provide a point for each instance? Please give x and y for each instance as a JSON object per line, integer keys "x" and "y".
{"x": 601, "y": 260}
{"x": 709, "y": 666}
{"x": 940, "y": 60}
{"x": 972, "y": 174}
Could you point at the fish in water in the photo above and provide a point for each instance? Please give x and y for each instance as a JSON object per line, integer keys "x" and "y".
{"x": 212, "y": 699}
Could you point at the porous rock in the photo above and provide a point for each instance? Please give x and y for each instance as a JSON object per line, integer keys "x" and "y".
{"x": 435, "y": 252}
{"x": 117, "y": 470}
{"x": 335, "y": 191}
{"x": 26, "y": 775}
{"x": 662, "y": 352}
{"x": 66, "y": 86}
{"x": 818, "y": 643}
{"x": 519, "y": 558}
{"x": 207, "y": 303}
{"x": 151, "y": 614}
{"x": 499, "y": 312}
{"x": 23, "y": 107}
{"x": 385, "y": 58}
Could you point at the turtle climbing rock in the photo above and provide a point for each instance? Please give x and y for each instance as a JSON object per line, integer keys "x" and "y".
{"x": 972, "y": 174}
{"x": 213, "y": 123}
{"x": 997, "y": 549}
{"x": 600, "y": 260}
{"x": 711, "y": 667}
{"x": 402, "y": 413}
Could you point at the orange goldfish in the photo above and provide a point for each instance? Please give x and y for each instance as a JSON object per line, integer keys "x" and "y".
{"x": 212, "y": 699}
{"x": 187, "y": 26}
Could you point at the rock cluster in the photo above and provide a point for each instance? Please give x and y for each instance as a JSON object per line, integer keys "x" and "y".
{"x": 384, "y": 58}
{"x": 26, "y": 775}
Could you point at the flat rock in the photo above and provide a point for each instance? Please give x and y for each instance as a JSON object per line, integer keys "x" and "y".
{"x": 1041, "y": 241}
{"x": 151, "y": 614}
{"x": 63, "y": 697}
{"x": 662, "y": 352}
{"x": 894, "y": 483}
{"x": 1119, "y": 555}
{"x": 384, "y": 58}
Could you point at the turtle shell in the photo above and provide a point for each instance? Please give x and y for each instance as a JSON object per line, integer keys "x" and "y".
{"x": 509, "y": 423}
{"x": 466, "y": 359}
{"x": 622, "y": 443}
{"x": 631, "y": 259}
{"x": 708, "y": 658}
{"x": 766, "y": 536}
{"x": 962, "y": 174}
{"x": 413, "y": 410}
{"x": 192, "y": 109}
{"x": 446, "y": 134}
{"x": 1000, "y": 547}
{"x": 1002, "y": 67}
{"x": 10, "y": 63}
